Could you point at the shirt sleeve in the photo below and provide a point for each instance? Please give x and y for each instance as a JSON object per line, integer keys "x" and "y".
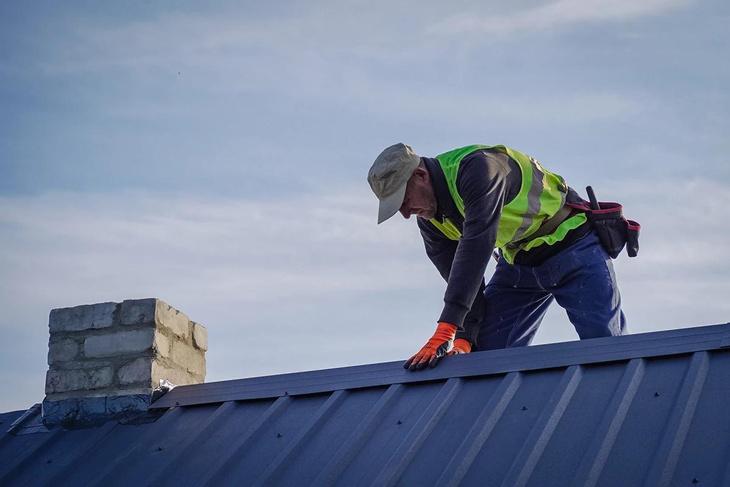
{"x": 439, "y": 248}
{"x": 483, "y": 181}
{"x": 441, "y": 251}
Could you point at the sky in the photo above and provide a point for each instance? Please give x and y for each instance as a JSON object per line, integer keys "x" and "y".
{"x": 214, "y": 155}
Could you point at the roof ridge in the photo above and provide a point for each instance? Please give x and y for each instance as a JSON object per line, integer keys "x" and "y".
{"x": 579, "y": 352}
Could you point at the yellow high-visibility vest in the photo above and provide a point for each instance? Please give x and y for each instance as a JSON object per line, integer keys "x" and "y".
{"x": 541, "y": 196}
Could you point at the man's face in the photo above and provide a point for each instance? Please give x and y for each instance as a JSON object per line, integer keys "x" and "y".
{"x": 420, "y": 197}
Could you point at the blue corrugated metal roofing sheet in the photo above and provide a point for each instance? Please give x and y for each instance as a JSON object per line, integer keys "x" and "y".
{"x": 645, "y": 409}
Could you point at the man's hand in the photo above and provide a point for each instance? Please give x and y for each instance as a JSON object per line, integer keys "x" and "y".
{"x": 460, "y": 346}
{"x": 435, "y": 348}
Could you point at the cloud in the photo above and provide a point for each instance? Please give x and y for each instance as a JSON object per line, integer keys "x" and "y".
{"x": 555, "y": 15}
{"x": 372, "y": 65}
{"x": 63, "y": 247}
{"x": 485, "y": 107}
{"x": 242, "y": 41}
{"x": 260, "y": 250}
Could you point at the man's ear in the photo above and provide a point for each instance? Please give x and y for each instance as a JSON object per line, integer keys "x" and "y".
{"x": 421, "y": 173}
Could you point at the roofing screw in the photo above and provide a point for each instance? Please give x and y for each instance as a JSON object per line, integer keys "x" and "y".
{"x": 695, "y": 481}
{"x": 399, "y": 422}
{"x": 278, "y": 435}
{"x": 524, "y": 408}
{"x": 656, "y": 394}
{"x": 159, "y": 448}
{"x": 49, "y": 461}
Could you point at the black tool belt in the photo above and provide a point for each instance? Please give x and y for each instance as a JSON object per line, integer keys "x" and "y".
{"x": 614, "y": 231}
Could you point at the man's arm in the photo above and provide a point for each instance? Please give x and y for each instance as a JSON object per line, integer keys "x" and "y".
{"x": 441, "y": 251}
{"x": 483, "y": 182}
{"x": 439, "y": 248}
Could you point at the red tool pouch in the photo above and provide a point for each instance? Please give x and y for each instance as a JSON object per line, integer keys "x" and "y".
{"x": 614, "y": 231}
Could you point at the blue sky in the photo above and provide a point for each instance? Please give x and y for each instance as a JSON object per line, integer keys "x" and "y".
{"x": 214, "y": 155}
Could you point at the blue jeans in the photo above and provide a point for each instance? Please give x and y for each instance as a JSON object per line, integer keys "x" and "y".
{"x": 580, "y": 279}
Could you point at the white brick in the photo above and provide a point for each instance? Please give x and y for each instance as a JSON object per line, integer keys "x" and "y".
{"x": 59, "y": 380}
{"x": 162, "y": 345}
{"x": 172, "y": 319}
{"x": 86, "y": 317}
{"x": 200, "y": 336}
{"x": 119, "y": 343}
{"x": 62, "y": 351}
{"x": 137, "y": 311}
{"x": 188, "y": 358}
{"x": 136, "y": 371}
{"x": 177, "y": 376}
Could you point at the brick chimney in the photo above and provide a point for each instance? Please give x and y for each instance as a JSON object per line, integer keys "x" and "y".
{"x": 105, "y": 359}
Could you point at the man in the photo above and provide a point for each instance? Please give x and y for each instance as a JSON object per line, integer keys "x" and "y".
{"x": 470, "y": 200}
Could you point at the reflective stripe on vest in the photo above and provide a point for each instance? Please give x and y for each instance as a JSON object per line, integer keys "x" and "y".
{"x": 542, "y": 194}
{"x": 448, "y": 228}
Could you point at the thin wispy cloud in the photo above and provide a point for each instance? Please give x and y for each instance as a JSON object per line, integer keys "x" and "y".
{"x": 300, "y": 247}
{"x": 555, "y": 15}
{"x": 249, "y": 250}
{"x": 187, "y": 42}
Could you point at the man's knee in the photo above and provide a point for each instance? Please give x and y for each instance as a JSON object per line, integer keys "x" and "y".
{"x": 596, "y": 324}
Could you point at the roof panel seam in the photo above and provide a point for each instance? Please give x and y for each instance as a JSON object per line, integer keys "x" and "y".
{"x": 538, "y": 438}
{"x": 409, "y": 446}
{"x": 668, "y": 451}
{"x": 27, "y": 456}
{"x": 217, "y": 471}
{"x": 594, "y": 459}
{"x": 82, "y": 454}
{"x": 109, "y": 472}
{"x": 269, "y": 475}
{"x": 480, "y": 432}
{"x": 363, "y": 431}
{"x": 193, "y": 441}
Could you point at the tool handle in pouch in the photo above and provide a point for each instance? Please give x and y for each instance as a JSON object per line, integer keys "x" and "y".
{"x": 592, "y": 199}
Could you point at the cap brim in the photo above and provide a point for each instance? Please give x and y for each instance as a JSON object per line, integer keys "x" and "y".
{"x": 391, "y": 204}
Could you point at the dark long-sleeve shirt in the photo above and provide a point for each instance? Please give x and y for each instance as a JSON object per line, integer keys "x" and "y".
{"x": 487, "y": 180}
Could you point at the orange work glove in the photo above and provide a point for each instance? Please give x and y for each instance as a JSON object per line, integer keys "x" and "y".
{"x": 434, "y": 349}
{"x": 460, "y": 346}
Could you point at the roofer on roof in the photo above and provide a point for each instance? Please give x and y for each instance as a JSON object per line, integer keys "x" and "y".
{"x": 469, "y": 201}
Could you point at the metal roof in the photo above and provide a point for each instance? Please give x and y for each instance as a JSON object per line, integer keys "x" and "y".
{"x": 648, "y": 409}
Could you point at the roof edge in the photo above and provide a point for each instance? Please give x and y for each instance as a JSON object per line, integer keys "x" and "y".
{"x": 597, "y": 350}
